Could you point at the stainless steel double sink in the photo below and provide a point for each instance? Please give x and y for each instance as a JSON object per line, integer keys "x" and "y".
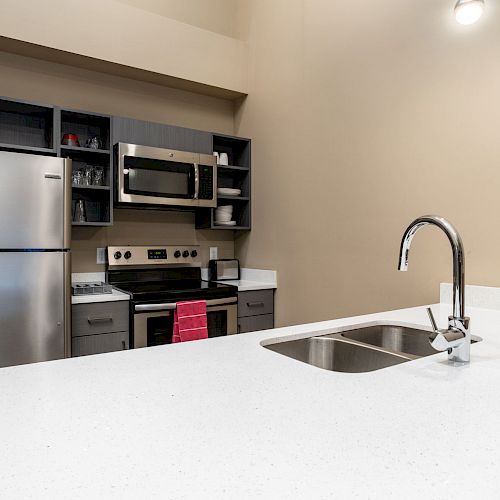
{"x": 359, "y": 349}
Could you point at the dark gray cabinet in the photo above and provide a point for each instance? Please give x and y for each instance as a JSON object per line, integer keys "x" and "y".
{"x": 256, "y": 323}
{"x": 99, "y": 327}
{"x": 255, "y": 310}
{"x": 98, "y": 344}
{"x": 27, "y": 127}
{"x": 236, "y": 175}
{"x": 160, "y": 135}
{"x": 97, "y": 199}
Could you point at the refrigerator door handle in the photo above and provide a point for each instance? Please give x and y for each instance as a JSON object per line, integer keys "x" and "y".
{"x": 67, "y": 304}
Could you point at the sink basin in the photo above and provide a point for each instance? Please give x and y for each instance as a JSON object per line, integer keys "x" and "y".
{"x": 394, "y": 338}
{"x": 360, "y": 349}
{"x": 337, "y": 355}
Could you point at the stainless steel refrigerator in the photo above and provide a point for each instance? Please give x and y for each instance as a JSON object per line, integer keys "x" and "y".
{"x": 35, "y": 267}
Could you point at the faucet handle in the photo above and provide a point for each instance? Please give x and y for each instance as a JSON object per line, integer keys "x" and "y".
{"x": 433, "y": 321}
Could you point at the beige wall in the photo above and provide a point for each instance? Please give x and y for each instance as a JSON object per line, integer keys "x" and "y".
{"x": 27, "y": 78}
{"x": 364, "y": 116}
{"x": 214, "y": 15}
{"x": 128, "y": 36}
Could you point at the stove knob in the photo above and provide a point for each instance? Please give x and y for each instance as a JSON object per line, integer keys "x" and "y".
{"x": 177, "y": 254}
{"x": 118, "y": 255}
{"x": 194, "y": 253}
{"x": 185, "y": 254}
{"x": 127, "y": 255}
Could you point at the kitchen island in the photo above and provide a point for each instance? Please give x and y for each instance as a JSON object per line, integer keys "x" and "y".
{"x": 227, "y": 418}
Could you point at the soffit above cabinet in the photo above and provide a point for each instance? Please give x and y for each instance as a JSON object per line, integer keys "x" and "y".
{"x": 112, "y": 37}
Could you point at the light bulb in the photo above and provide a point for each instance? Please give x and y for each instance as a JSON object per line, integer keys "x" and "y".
{"x": 468, "y": 11}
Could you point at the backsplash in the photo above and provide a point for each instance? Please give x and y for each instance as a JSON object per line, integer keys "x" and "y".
{"x": 146, "y": 227}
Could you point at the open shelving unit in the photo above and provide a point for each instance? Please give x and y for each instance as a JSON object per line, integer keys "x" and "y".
{"x": 98, "y": 199}
{"x": 27, "y": 127}
{"x": 236, "y": 175}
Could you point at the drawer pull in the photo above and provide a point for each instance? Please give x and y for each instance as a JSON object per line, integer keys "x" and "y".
{"x": 255, "y": 304}
{"x": 102, "y": 319}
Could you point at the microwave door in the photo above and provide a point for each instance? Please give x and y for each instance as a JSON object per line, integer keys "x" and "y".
{"x": 160, "y": 182}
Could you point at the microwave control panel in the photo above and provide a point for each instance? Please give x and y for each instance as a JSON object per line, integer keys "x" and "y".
{"x": 154, "y": 256}
{"x": 206, "y": 183}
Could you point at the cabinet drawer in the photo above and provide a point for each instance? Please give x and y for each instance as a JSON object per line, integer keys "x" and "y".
{"x": 97, "y": 344}
{"x": 101, "y": 317}
{"x": 255, "y": 323}
{"x": 255, "y": 302}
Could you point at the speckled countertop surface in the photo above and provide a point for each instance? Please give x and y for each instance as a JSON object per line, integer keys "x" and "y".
{"x": 225, "y": 418}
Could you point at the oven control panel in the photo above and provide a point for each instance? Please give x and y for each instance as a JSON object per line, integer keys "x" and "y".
{"x": 154, "y": 255}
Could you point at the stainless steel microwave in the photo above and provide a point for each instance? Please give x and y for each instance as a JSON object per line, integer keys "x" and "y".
{"x": 165, "y": 177}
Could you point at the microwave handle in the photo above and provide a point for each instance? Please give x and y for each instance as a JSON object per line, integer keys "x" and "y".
{"x": 196, "y": 181}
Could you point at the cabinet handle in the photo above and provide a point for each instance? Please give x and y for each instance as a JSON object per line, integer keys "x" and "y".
{"x": 124, "y": 345}
{"x": 102, "y": 319}
{"x": 255, "y": 304}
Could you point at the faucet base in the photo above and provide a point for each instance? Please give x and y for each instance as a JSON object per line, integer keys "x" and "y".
{"x": 459, "y": 351}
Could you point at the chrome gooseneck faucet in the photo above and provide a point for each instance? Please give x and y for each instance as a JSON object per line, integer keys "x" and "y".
{"x": 457, "y": 338}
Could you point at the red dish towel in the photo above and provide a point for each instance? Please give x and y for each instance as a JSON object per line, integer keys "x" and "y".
{"x": 190, "y": 321}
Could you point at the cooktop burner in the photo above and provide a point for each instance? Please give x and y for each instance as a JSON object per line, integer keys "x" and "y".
{"x": 176, "y": 290}
{"x": 169, "y": 274}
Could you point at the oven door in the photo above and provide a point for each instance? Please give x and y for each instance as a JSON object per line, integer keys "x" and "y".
{"x": 157, "y": 176}
{"x": 154, "y": 323}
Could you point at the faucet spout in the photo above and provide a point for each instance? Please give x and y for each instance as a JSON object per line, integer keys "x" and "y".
{"x": 456, "y": 338}
{"x": 458, "y": 256}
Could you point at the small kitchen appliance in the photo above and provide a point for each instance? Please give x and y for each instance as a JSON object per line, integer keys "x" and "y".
{"x": 164, "y": 178}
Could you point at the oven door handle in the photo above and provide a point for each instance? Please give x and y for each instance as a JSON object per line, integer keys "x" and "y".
{"x": 172, "y": 305}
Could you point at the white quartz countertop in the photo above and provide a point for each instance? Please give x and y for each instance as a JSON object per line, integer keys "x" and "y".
{"x": 251, "y": 279}
{"x": 246, "y": 285}
{"x": 225, "y": 418}
{"x": 116, "y": 295}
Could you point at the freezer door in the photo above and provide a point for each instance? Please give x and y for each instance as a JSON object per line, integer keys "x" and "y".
{"x": 34, "y": 307}
{"x": 35, "y": 206}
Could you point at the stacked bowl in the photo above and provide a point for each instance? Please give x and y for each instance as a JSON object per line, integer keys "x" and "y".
{"x": 223, "y": 215}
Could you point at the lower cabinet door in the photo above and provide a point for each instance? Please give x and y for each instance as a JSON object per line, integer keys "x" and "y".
{"x": 97, "y": 344}
{"x": 255, "y": 323}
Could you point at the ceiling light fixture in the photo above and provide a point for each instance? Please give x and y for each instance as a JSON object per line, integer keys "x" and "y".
{"x": 468, "y": 11}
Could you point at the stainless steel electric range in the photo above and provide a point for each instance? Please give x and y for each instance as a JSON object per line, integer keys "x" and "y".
{"x": 156, "y": 278}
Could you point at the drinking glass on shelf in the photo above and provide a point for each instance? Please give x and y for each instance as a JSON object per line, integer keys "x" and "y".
{"x": 77, "y": 177}
{"x": 98, "y": 176}
{"x": 80, "y": 214}
{"x": 94, "y": 142}
{"x": 87, "y": 175}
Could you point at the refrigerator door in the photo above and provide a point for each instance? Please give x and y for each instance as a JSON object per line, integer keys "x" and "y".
{"x": 34, "y": 307}
{"x": 35, "y": 206}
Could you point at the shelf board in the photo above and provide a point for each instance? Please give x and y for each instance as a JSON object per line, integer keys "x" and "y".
{"x": 234, "y": 198}
{"x": 95, "y": 188}
{"x": 85, "y": 150}
{"x": 233, "y": 168}
{"x": 89, "y": 223}
{"x": 32, "y": 149}
{"x": 232, "y": 228}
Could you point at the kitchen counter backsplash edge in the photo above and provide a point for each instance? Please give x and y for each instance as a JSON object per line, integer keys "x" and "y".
{"x": 485, "y": 297}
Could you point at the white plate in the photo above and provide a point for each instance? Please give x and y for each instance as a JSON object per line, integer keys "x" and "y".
{"x": 225, "y": 222}
{"x": 229, "y": 191}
